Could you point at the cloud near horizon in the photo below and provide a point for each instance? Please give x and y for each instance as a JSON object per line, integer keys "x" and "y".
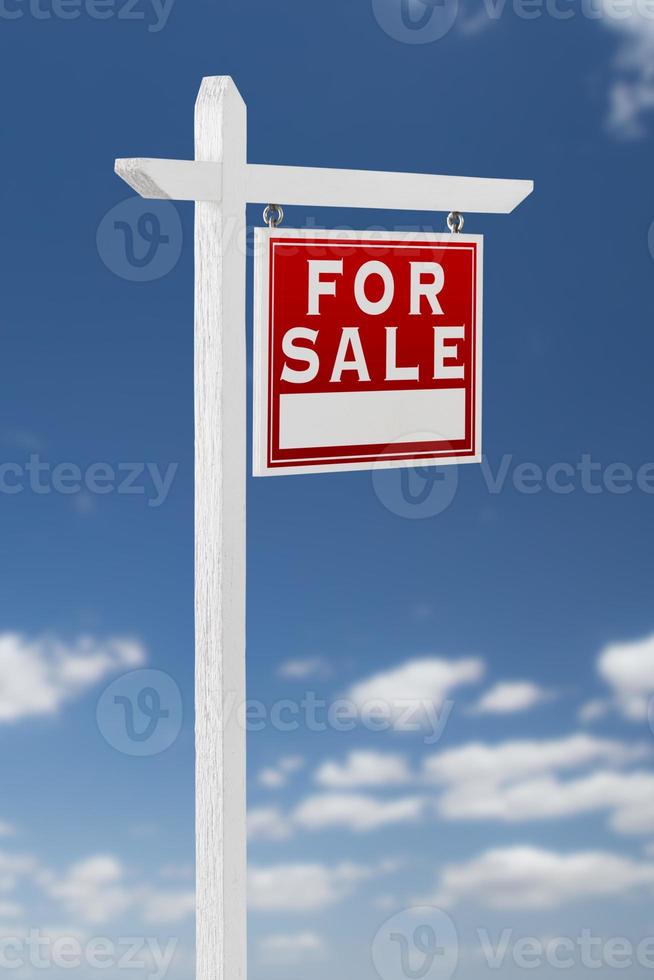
{"x": 525, "y": 877}
{"x": 39, "y": 675}
{"x": 417, "y": 689}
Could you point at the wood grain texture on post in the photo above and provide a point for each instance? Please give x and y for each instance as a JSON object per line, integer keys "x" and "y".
{"x": 220, "y": 440}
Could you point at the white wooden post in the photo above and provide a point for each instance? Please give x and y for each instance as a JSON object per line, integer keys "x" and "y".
{"x": 221, "y": 182}
{"x": 220, "y": 442}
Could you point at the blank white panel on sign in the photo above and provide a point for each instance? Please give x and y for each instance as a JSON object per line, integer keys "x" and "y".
{"x": 364, "y": 418}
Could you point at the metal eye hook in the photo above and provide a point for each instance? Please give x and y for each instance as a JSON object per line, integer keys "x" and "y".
{"x": 273, "y": 215}
{"x": 455, "y": 222}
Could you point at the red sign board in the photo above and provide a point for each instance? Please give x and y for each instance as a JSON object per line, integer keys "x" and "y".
{"x": 367, "y": 350}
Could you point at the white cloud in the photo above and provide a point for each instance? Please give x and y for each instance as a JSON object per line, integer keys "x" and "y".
{"x": 303, "y": 887}
{"x": 512, "y": 760}
{"x": 98, "y": 890}
{"x": 7, "y": 829}
{"x": 163, "y": 908}
{"x": 91, "y": 890}
{"x": 291, "y": 948}
{"x": 509, "y": 697}
{"x": 520, "y": 780}
{"x": 424, "y": 683}
{"x": 524, "y": 877}
{"x": 628, "y": 669}
{"x": 629, "y": 797}
{"x": 631, "y": 97}
{"x": 594, "y": 710}
{"x": 39, "y": 675}
{"x": 274, "y": 777}
{"x": 304, "y": 667}
{"x": 13, "y": 867}
{"x": 634, "y": 812}
{"x": 268, "y": 823}
{"x": 356, "y": 811}
{"x": 513, "y": 781}
{"x": 364, "y": 768}
{"x": 10, "y": 910}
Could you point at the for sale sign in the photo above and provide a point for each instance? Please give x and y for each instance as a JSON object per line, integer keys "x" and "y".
{"x": 367, "y": 350}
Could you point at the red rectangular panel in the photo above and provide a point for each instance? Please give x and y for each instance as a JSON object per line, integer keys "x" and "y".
{"x": 367, "y": 350}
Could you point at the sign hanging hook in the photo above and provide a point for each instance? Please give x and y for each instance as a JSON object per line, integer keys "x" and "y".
{"x": 455, "y": 222}
{"x": 273, "y": 215}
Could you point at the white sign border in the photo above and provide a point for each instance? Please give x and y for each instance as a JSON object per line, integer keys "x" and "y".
{"x": 262, "y": 237}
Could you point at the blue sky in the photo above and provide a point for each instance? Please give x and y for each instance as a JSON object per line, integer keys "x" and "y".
{"x": 521, "y": 620}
